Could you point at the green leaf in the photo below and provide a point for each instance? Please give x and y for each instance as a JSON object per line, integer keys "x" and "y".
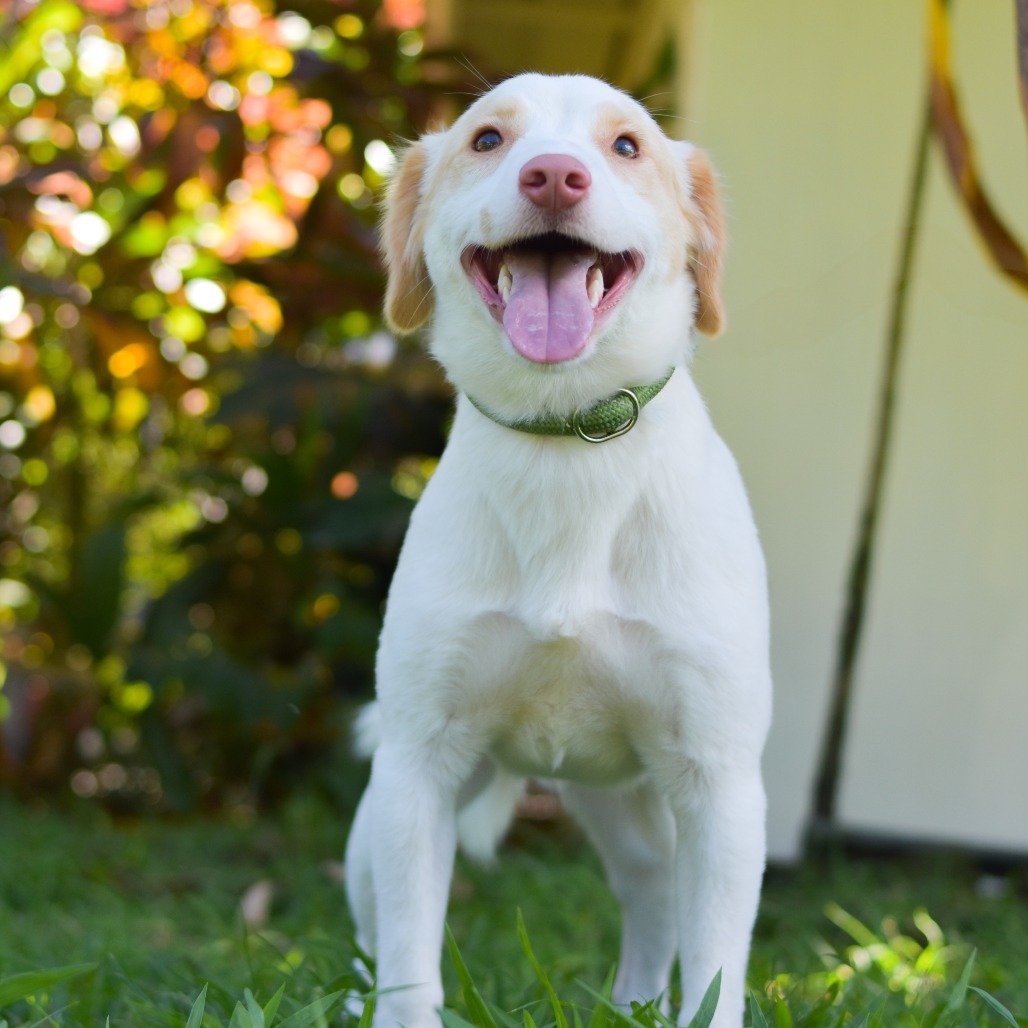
{"x": 606, "y": 1008}
{"x": 368, "y": 1013}
{"x": 146, "y": 238}
{"x": 709, "y": 1004}
{"x": 959, "y": 994}
{"x": 451, "y": 1019}
{"x": 314, "y": 1013}
{"x": 99, "y": 577}
{"x": 271, "y": 1008}
{"x": 783, "y": 1015}
{"x": 757, "y": 1018}
{"x": 19, "y": 986}
{"x": 240, "y": 1018}
{"x": 196, "y": 1014}
{"x": 601, "y": 1011}
{"x": 819, "y": 1013}
{"x": 860, "y": 933}
{"x": 24, "y": 52}
{"x": 558, "y": 1010}
{"x": 254, "y": 1010}
{"x": 996, "y": 1005}
{"x": 477, "y": 1009}
{"x": 185, "y": 323}
{"x": 872, "y": 1017}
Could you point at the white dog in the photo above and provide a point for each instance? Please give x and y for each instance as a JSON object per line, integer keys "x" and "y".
{"x": 581, "y": 595}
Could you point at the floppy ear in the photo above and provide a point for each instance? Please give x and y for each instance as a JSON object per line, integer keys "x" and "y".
{"x": 707, "y": 249}
{"x": 408, "y": 300}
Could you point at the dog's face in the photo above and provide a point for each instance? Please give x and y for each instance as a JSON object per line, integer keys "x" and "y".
{"x": 565, "y": 244}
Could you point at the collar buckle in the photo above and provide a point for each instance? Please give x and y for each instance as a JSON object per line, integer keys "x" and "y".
{"x": 618, "y": 430}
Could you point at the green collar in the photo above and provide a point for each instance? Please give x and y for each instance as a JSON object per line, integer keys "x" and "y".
{"x": 599, "y": 423}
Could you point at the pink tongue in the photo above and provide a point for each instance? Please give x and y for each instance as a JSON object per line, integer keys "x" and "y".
{"x": 548, "y": 316}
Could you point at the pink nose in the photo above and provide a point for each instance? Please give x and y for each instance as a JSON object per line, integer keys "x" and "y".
{"x": 554, "y": 181}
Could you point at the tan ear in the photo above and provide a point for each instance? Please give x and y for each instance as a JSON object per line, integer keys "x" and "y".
{"x": 408, "y": 300}
{"x": 707, "y": 250}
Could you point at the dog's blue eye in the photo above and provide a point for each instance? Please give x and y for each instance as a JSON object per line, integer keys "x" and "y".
{"x": 488, "y": 140}
{"x": 625, "y": 146}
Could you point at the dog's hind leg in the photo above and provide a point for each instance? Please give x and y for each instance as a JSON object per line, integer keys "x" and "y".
{"x": 634, "y": 833}
{"x": 360, "y": 886}
{"x": 487, "y": 805}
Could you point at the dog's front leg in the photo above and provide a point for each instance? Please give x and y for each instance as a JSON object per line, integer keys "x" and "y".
{"x": 719, "y": 865}
{"x": 633, "y": 832}
{"x": 413, "y": 841}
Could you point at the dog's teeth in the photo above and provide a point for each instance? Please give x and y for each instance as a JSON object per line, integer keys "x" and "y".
{"x": 594, "y": 285}
{"x": 503, "y": 283}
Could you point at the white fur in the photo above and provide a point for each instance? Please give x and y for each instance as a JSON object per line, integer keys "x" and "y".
{"x": 591, "y": 614}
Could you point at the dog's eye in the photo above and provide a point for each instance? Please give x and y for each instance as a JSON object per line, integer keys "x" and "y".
{"x": 625, "y": 146}
{"x": 488, "y": 140}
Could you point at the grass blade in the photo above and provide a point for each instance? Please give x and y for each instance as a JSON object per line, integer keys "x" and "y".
{"x": 757, "y": 1018}
{"x": 856, "y": 930}
{"x": 367, "y": 1013}
{"x": 558, "y": 1010}
{"x": 873, "y": 1016}
{"x": 606, "y": 1011}
{"x": 451, "y": 1019}
{"x": 253, "y": 1008}
{"x": 53, "y": 1019}
{"x": 601, "y": 1016}
{"x": 783, "y": 1015}
{"x": 477, "y": 1009}
{"x": 820, "y": 1014}
{"x": 959, "y": 995}
{"x": 18, "y": 986}
{"x": 706, "y": 1012}
{"x": 314, "y": 1013}
{"x": 271, "y": 1008}
{"x": 196, "y": 1014}
{"x": 240, "y": 1018}
{"x": 996, "y": 1005}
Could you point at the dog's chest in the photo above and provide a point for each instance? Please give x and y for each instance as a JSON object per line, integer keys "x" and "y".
{"x": 564, "y": 545}
{"x": 570, "y": 705}
{"x": 542, "y": 604}
{"x": 568, "y": 654}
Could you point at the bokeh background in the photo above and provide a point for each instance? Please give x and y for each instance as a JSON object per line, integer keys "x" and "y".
{"x": 209, "y": 445}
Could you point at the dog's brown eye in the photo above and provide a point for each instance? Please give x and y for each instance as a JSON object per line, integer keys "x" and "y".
{"x": 625, "y": 146}
{"x": 488, "y": 140}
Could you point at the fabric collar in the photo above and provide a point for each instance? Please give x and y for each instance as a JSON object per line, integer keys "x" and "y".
{"x": 599, "y": 423}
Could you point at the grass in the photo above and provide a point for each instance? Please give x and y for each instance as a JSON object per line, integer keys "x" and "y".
{"x": 140, "y": 924}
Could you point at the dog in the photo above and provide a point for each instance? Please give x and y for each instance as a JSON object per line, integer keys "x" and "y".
{"x": 581, "y": 596}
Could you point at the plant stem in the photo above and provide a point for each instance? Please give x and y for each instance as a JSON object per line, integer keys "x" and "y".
{"x": 1022, "y": 53}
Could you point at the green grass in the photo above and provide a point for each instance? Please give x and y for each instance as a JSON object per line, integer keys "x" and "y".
{"x": 141, "y": 922}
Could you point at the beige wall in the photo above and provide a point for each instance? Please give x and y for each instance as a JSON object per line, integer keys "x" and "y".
{"x": 810, "y": 111}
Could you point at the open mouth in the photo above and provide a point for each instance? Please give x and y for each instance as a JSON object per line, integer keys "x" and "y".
{"x": 551, "y": 291}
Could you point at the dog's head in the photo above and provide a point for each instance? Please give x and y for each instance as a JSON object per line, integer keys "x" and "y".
{"x": 564, "y": 243}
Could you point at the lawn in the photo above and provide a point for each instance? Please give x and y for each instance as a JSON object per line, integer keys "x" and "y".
{"x": 154, "y": 909}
